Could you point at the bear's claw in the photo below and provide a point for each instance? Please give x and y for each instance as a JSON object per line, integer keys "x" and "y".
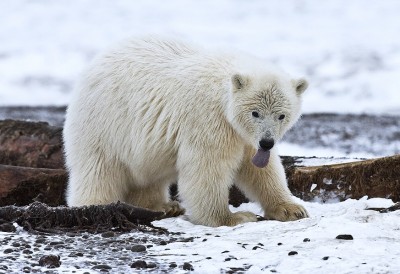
{"x": 173, "y": 209}
{"x": 287, "y": 212}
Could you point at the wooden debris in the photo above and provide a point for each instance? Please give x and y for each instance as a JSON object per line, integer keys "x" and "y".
{"x": 39, "y": 216}
{"x": 33, "y": 170}
{"x": 23, "y": 185}
{"x": 31, "y": 144}
{"x": 373, "y": 178}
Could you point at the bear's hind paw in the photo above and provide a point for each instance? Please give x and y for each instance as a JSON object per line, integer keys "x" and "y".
{"x": 173, "y": 209}
{"x": 242, "y": 217}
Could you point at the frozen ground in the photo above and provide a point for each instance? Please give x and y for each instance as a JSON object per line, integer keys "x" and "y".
{"x": 250, "y": 248}
{"x": 349, "y": 51}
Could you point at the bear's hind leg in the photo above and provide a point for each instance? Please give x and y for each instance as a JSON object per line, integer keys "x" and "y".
{"x": 155, "y": 197}
{"x": 96, "y": 182}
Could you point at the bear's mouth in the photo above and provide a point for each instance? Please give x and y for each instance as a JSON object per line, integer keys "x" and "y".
{"x": 261, "y": 158}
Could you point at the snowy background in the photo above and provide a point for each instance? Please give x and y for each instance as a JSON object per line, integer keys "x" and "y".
{"x": 349, "y": 50}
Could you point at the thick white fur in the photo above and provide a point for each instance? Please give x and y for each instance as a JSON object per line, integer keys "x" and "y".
{"x": 155, "y": 111}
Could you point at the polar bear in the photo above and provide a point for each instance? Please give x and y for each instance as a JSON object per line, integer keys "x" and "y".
{"x": 155, "y": 111}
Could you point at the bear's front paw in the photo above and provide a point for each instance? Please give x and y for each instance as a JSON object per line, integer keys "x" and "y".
{"x": 287, "y": 212}
{"x": 241, "y": 217}
{"x": 173, "y": 209}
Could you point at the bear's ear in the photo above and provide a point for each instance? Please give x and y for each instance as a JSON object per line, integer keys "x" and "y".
{"x": 239, "y": 81}
{"x": 300, "y": 85}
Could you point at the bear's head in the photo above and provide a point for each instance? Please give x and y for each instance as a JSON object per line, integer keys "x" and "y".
{"x": 263, "y": 107}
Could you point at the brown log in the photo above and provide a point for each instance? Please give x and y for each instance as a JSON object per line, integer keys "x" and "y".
{"x": 23, "y": 185}
{"x": 31, "y": 144}
{"x": 40, "y": 145}
{"x": 373, "y": 178}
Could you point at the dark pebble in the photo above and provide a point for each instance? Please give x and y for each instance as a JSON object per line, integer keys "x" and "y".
{"x": 279, "y": 243}
{"x": 101, "y": 266}
{"x": 208, "y": 258}
{"x": 291, "y": 253}
{"x": 15, "y": 244}
{"x": 187, "y": 266}
{"x": 204, "y": 240}
{"x": 108, "y": 234}
{"x": 51, "y": 261}
{"x": 26, "y": 251}
{"x": 162, "y": 243}
{"x": 139, "y": 264}
{"x": 151, "y": 265}
{"x": 260, "y": 244}
{"x": 149, "y": 246}
{"x": 173, "y": 265}
{"x": 325, "y": 258}
{"x": 306, "y": 240}
{"x": 8, "y": 250}
{"x": 3, "y": 267}
{"x": 226, "y": 251}
{"x": 344, "y": 237}
{"x": 40, "y": 241}
{"x": 56, "y": 243}
{"x": 255, "y": 247}
{"x": 138, "y": 248}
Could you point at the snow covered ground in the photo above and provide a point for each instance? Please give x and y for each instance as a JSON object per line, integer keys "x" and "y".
{"x": 262, "y": 247}
{"x": 349, "y": 51}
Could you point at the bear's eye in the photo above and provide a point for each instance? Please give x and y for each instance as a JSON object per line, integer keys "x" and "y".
{"x": 281, "y": 117}
{"x": 255, "y": 114}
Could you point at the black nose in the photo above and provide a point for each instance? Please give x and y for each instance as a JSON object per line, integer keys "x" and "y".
{"x": 267, "y": 144}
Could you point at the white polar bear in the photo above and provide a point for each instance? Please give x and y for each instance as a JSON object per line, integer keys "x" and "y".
{"x": 155, "y": 111}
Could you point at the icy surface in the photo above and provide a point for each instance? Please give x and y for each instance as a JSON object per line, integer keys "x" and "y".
{"x": 349, "y": 51}
{"x": 251, "y": 247}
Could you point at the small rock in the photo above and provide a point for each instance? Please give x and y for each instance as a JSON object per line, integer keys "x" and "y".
{"x": 344, "y": 237}
{"x": 226, "y": 251}
{"x": 101, "y": 266}
{"x": 208, "y": 258}
{"x": 138, "y": 248}
{"x": 151, "y": 265}
{"x": 279, "y": 243}
{"x": 291, "y": 253}
{"x": 306, "y": 240}
{"x": 108, "y": 234}
{"x": 173, "y": 265}
{"x": 8, "y": 250}
{"x": 187, "y": 266}
{"x": 139, "y": 264}
{"x": 162, "y": 243}
{"x": 325, "y": 258}
{"x": 50, "y": 261}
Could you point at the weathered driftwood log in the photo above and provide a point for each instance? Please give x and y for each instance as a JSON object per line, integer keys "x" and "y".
{"x": 23, "y": 185}
{"x": 39, "y": 216}
{"x": 35, "y": 145}
{"x": 375, "y": 178}
{"x": 32, "y": 144}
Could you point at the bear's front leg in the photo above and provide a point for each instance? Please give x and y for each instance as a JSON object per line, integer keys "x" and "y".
{"x": 204, "y": 182}
{"x": 268, "y": 186}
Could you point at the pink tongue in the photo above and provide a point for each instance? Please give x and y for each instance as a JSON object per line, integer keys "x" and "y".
{"x": 261, "y": 158}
